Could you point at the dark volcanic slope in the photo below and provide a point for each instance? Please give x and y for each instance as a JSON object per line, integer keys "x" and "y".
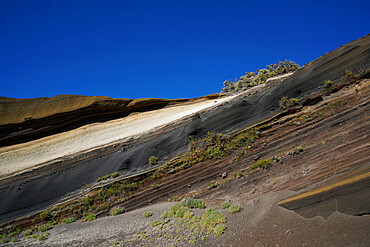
{"x": 17, "y": 195}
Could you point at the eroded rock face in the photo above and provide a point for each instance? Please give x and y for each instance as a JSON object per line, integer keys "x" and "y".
{"x": 29, "y": 119}
{"x": 131, "y": 156}
{"x": 350, "y": 197}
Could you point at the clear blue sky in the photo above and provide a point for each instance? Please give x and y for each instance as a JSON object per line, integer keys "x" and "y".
{"x": 168, "y": 49}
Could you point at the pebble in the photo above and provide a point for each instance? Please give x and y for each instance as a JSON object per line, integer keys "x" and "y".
{"x": 288, "y": 232}
{"x": 224, "y": 175}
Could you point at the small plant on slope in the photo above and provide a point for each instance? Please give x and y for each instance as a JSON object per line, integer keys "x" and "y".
{"x": 147, "y": 214}
{"x": 153, "y": 160}
{"x": 233, "y": 209}
{"x": 117, "y": 211}
{"x": 225, "y": 205}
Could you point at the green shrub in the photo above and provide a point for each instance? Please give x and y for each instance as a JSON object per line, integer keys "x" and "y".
{"x": 86, "y": 201}
{"x": 193, "y": 203}
{"x": 114, "y": 175}
{"x": 45, "y": 215}
{"x": 218, "y": 230}
{"x": 264, "y": 164}
{"x": 44, "y": 228}
{"x": 42, "y": 238}
{"x": 299, "y": 148}
{"x": 225, "y": 205}
{"x": 164, "y": 215}
{"x": 188, "y": 215}
{"x": 155, "y": 186}
{"x": 117, "y": 211}
{"x": 4, "y": 240}
{"x": 68, "y": 220}
{"x": 178, "y": 211}
{"x": 233, "y": 209}
{"x": 153, "y": 160}
{"x": 12, "y": 234}
{"x": 156, "y": 223}
{"x": 27, "y": 232}
{"x": 286, "y": 102}
{"x": 90, "y": 217}
{"x": 276, "y": 159}
{"x": 213, "y": 184}
{"x": 251, "y": 79}
{"x": 98, "y": 180}
{"x": 147, "y": 214}
{"x": 211, "y": 218}
{"x": 328, "y": 84}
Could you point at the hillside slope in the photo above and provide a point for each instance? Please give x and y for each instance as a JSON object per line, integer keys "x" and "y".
{"x": 332, "y": 126}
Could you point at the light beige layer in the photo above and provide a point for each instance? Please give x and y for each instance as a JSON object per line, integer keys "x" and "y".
{"x": 24, "y": 156}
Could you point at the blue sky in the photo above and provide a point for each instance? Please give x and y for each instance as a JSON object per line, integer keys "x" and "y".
{"x": 165, "y": 49}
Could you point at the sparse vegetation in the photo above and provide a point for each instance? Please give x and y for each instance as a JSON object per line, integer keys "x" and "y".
{"x": 235, "y": 208}
{"x": 153, "y": 160}
{"x": 225, "y": 205}
{"x": 213, "y": 184}
{"x": 211, "y": 218}
{"x": 328, "y": 84}
{"x": 287, "y": 103}
{"x": 42, "y": 238}
{"x": 263, "y": 164}
{"x": 45, "y": 215}
{"x": 44, "y": 228}
{"x": 90, "y": 217}
{"x": 147, "y": 214}
{"x": 35, "y": 236}
{"x": 155, "y": 186}
{"x": 68, "y": 220}
{"x": 251, "y": 79}
{"x": 218, "y": 230}
{"x": 117, "y": 210}
{"x": 27, "y": 233}
{"x": 193, "y": 203}
{"x": 12, "y": 234}
{"x": 156, "y": 223}
{"x": 178, "y": 211}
